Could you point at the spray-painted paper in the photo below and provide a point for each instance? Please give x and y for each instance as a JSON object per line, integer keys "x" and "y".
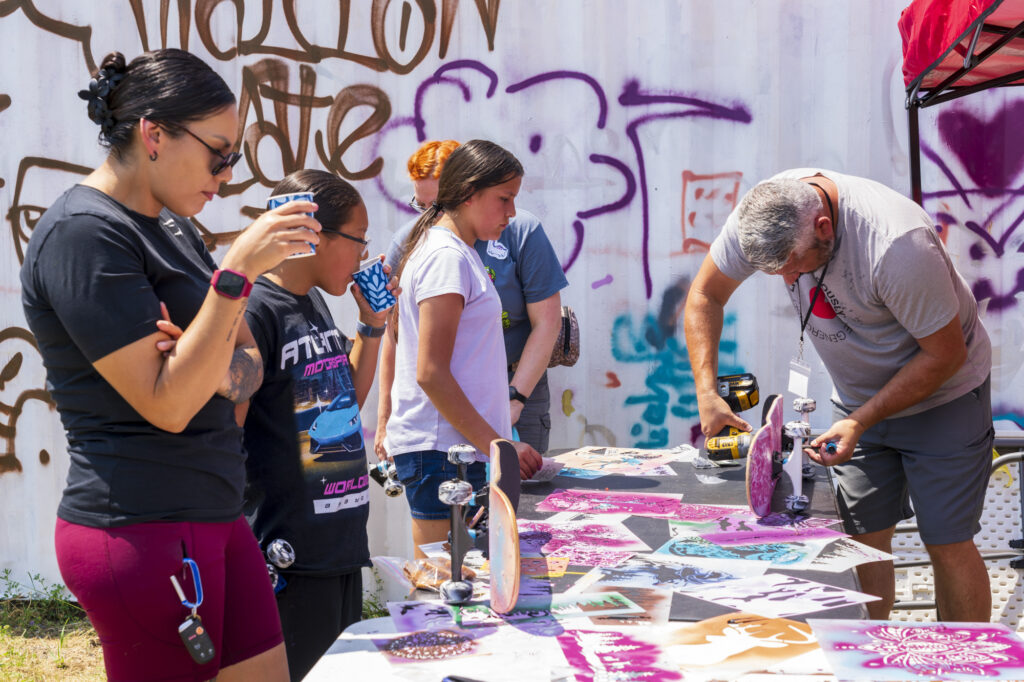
{"x": 757, "y": 535}
{"x": 657, "y": 605}
{"x": 776, "y": 596}
{"x": 662, "y": 470}
{"x": 612, "y": 502}
{"x": 583, "y": 543}
{"x": 646, "y": 571}
{"x": 610, "y": 460}
{"x": 587, "y": 474}
{"x": 844, "y": 554}
{"x": 706, "y": 512}
{"x": 886, "y": 650}
{"x": 539, "y": 567}
{"x": 729, "y": 646}
{"x": 548, "y": 470}
{"x": 787, "y": 554}
{"x": 597, "y": 655}
{"x": 410, "y": 616}
{"x": 558, "y": 606}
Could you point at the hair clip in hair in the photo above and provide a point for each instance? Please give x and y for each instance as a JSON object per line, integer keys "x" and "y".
{"x": 436, "y": 206}
{"x": 96, "y": 95}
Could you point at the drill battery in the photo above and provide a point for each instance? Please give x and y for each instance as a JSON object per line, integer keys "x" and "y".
{"x": 738, "y": 390}
{"x": 740, "y": 393}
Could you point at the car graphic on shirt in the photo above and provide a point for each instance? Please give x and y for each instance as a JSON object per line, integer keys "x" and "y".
{"x": 337, "y": 430}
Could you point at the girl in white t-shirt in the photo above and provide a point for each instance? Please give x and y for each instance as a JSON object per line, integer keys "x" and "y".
{"x": 450, "y": 382}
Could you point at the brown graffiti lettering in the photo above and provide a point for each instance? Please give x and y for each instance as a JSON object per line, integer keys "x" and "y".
{"x": 346, "y": 100}
{"x": 8, "y": 458}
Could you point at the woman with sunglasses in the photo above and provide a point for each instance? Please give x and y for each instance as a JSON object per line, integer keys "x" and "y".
{"x": 157, "y": 471}
{"x": 307, "y": 482}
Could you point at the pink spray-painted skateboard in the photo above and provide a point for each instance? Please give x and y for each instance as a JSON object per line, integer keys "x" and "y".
{"x": 503, "y": 534}
{"x": 766, "y": 442}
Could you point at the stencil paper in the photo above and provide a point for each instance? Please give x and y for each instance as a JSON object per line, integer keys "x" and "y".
{"x": 776, "y": 596}
{"x": 887, "y": 650}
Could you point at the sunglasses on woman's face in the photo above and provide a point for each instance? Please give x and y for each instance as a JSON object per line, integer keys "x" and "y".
{"x": 226, "y": 160}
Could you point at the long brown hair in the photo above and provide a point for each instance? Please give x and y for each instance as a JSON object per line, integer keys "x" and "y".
{"x": 473, "y": 166}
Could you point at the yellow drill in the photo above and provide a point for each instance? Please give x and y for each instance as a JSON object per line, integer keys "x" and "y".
{"x": 740, "y": 392}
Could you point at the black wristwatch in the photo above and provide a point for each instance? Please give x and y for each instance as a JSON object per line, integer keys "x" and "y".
{"x": 514, "y": 394}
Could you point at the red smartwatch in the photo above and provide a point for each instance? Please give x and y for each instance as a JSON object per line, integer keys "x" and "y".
{"x": 230, "y": 284}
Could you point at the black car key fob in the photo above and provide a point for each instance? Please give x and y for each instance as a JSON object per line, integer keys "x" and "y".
{"x": 197, "y": 639}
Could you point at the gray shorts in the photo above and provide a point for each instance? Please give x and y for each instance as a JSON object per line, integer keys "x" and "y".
{"x": 534, "y": 425}
{"x": 939, "y": 460}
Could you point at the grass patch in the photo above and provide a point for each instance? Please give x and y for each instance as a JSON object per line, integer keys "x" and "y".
{"x": 374, "y": 605}
{"x": 44, "y": 635}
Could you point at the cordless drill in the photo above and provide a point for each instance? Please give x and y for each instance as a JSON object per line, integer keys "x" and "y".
{"x": 739, "y": 392}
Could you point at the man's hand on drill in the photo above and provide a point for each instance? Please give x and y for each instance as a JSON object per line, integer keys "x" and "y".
{"x": 715, "y": 415}
{"x": 844, "y": 434}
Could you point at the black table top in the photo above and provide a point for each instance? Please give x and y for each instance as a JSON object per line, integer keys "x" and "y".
{"x": 655, "y": 532}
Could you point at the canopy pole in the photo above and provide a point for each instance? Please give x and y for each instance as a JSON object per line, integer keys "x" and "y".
{"x": 913, "y": 136}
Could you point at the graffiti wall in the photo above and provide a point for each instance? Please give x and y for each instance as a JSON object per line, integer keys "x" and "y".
{"x": 638, "y": 129}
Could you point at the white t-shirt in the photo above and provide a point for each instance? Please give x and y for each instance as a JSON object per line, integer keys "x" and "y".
{"x": 890, "y": 282}
{"x": 444, "y": 264}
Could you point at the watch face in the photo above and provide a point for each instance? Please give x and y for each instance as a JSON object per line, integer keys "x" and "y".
{"x": 230, "y": 283}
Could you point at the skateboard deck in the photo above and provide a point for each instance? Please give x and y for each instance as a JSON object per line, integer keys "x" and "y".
{"x": 766, "y": 441}
{"x": 503, "y": 533}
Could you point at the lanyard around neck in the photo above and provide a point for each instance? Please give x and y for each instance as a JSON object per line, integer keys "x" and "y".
{"x": 821, "y": 278}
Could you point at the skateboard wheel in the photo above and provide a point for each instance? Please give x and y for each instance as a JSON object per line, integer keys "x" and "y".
{"x": 456, "y": 591}
{"x": 797, "y": 503}
{"x": 802, "y": 405}
{"x": 462, "y": 454}
{"x": 808, "y": 471}
{"x": 455, "y": 492}
{"x": 281, "y": 553}
{"x": 798, "y": 429}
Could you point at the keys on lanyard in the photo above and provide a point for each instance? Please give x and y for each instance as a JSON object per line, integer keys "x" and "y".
{"x": 192, "y": 631}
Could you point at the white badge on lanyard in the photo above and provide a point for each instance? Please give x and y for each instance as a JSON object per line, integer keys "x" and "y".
{"x": 799, "y": 377}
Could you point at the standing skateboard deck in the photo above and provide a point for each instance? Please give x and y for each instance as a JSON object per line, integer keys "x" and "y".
{"x": 502, "y": 533}
{"x": 766, "y": 441}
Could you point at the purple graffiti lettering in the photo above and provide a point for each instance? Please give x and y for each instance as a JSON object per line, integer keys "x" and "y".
{"x": 602, "y": 101}
{"x": 631, "y": 96}
{"x": 983, "y": 289}
{"x": 438, "y": 77}
{"x": 627, "y": 196}
{"x": 577, "y": 227}
{"x": 604, "y": 281}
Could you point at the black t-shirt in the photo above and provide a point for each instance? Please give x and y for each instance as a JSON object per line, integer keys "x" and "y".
{"x": 307, "y": 461}
{"x": 95, "y": 273}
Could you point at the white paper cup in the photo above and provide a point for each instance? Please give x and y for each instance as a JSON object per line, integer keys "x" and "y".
{"x": 279, "y": 199}
{"x": 373, "y": 283}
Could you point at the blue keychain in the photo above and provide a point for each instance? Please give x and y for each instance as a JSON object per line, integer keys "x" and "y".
{"x": 193, "y": 633}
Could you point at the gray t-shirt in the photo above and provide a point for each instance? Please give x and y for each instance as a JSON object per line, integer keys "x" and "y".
{"x": 889, "y": 283}
{"x": 521, "y": 263}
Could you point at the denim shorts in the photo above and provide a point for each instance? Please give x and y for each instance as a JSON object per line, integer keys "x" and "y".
{"x": 422, "y": 472}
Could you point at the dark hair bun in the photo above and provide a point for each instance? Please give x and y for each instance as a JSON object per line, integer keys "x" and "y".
{"x": 109, "y": 75}
{"x": 114, "y": 61}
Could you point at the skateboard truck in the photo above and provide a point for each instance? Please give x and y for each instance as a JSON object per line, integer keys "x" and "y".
{"x": 458, "y": 493}
{"x": 805, "y": 406}
{"x": 797, "y": 465}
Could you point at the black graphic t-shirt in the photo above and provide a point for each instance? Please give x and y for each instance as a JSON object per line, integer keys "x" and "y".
{"x": 307, "y": 460}
{"x": 95, "y": 273}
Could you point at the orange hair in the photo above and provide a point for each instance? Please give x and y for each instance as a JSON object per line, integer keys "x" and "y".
{"x": 426, "y": 162}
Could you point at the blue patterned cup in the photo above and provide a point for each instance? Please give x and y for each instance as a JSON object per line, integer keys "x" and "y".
{"x": 279, "y": 199}
{"x": 373, "y": 283}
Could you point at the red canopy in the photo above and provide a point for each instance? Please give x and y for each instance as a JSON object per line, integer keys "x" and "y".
{"x": 938, "y": 35}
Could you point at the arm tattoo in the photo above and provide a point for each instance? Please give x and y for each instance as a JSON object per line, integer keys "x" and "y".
{"x": 244, "y": 376}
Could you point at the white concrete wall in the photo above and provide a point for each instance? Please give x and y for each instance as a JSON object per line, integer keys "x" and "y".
{"x": 638, "y": 123}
